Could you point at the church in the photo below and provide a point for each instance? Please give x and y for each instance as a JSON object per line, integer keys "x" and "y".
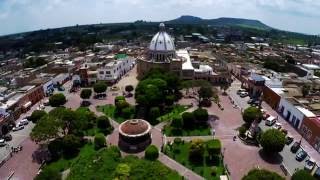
{"x": 163, "y": 55}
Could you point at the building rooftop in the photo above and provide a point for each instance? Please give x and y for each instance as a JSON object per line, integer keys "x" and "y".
{"x": 187, "y": 65}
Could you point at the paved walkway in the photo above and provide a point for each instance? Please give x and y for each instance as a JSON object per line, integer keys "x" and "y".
{"x": 174, "y": 165}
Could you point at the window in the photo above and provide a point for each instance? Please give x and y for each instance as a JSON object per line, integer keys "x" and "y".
{"x": 101, "y": 72}
{"x": 107, "y": 72}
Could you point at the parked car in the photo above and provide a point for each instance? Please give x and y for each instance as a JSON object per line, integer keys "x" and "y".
{"x": 240, "y": 91}
{"x": 295, "y": 147}
{"x": 309, "y": 164}
{"x": 61, "y": 88}
{"x": 301, "y": 155}
{"x": 17, "y": 128}
{"x": 2, "y": 142}
{"x": 270, "y": 121}
{"x": 24, "y": 122}
{"x": 277, "y": 126}
{"x": 289, "y": 140}
{"x": 7, "y": 137}
{"x": 46, "y": 102}
{"x": 250, "y": 101}
{"x": 244, "y": 94}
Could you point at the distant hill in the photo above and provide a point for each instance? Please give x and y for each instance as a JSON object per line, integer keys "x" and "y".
{"x": 223, "y": 21}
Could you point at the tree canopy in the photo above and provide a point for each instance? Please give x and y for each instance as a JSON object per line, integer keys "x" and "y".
{"x": 57, "y": 100}
{"x": 100, "y": 87}
{"x": 85, "y": 93}
{"x": 37, "y": 115}
{"x": 302, "y": 175}
{"x": 151, "y": 153}
{"x": 250, "y": 114}
{"x": 272, "y": 141}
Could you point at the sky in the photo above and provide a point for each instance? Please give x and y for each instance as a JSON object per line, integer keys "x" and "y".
{"x": 28, "y": 15}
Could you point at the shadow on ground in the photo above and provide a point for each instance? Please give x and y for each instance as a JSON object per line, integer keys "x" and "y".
{"x": 272, "y": 159}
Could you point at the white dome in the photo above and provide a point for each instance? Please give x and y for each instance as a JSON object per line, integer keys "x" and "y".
{"x": 161, "y": 41}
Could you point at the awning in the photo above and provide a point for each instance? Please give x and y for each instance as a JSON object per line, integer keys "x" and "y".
{"x": 28, "y": 104}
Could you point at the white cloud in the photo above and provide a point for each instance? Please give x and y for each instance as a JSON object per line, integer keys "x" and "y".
{"x": 25, "y": 15}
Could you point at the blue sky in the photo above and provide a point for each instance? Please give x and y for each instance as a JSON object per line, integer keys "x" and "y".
{"x": 27, "y": 15}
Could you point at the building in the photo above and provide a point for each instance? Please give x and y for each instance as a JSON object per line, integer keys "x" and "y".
{"x": 114, "y": 70}
{"x": 310, "y": 130}
{"x": 163, "y": 55}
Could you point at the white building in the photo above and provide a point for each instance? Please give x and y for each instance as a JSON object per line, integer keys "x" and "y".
{"x": 115, "y": 69}
{"x": 292, "y": 112}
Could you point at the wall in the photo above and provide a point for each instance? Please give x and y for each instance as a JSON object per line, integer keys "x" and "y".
{"x": 270, "y": 97}
{"x": 294, "y": 112}
{"x": 310, "y": 130}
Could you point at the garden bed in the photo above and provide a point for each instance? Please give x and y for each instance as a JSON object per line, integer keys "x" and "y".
{"x": 199, "y": 131}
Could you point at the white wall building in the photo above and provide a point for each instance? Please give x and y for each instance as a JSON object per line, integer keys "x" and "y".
{"x": 292, "y": 111}
{"x": 113, "y": 71}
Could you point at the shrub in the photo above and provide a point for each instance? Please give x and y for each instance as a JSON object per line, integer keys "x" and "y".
{"x": 177, "y": 122}
{"x": 127, "y": 112}
{"x": 115, "y": 150}
{"x": 196, "y": 150}
{"x": 201, "y": 115}
{"x": 119, "y": 98}
{"x": 177, "y": 141}
{"x": 49, "y": 173}
{"x": 214, "y": 170}
{"x": 242, "y": 131}
{"x": 99, "y": 141}
{"x": 188, "y": 119}
{"x": 57, "y": 100}
{"x": 103, "y": 122}
{"x": 151, "y": 153}
{"x": 262, "y": 174}
{"x": 129, "y": 88}
{"x": 37, "y": 115}
{"x": 250, "y": 114}
{"x": 85, "y": 93}
{"x": 99, "y": 87}
{"x": 71, "y": 145}
{"x": 214, "y": 147}
{"x": 272, "y": 141}
{"x": 302, "y": 175}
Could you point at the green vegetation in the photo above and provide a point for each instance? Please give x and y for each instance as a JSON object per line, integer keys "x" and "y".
{"x": 119, "y": 113}
{"x": 175, "y": 112}
{"x": 302, "y": 175}
{"x": 151, "y": 153}
{"x": 262, "y": 174}
{"x": 99, "y": 141}
{"x": 272, "y": 141}
{"x": 189, "y": 124}
{"x": 37, "y": 115}
{"x": 86, "y": 93}
{"x": 100, "y": 87}
{"x": 34, "y": 62}
{"x": 251, "y": 114}
{"x": 57, "y": 100}
{"x": 195, "y": 156}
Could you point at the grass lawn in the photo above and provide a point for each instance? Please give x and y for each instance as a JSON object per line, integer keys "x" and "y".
{"x": 109, "y": 110}
{"x": 176, "y": 111}
{"x": 199, "y": 131}
{"x": 180, "y": 153}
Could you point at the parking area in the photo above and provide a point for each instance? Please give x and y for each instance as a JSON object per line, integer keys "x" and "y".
{"x": 288, "y": 159}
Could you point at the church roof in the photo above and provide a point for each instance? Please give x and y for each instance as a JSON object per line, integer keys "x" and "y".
{"x": 162, "y": 41}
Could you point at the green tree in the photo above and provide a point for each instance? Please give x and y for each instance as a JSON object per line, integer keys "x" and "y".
{"x": 154, "y": 113}
{"x": 71, "y": 145}
{"x": 100, "y": 87}
{"x": 49, "y": 173}
{"x": 196, "y": 150}
{"x": 151, "y": 153}
{"x": 250, "y": 114}
{"x": 99, "y": 141}
{"x": 177, "y": 122}
{"x": 205, "y": 93}
{"x": 103, "y": 122}
{"x": 86, "y": 93}
{"x": 47, "y": 128}
{"x": 214, "y": 147}
{"x": 188, "y": 120}
{"x": 302, "y": 175}
{"x": 272, "y": 141}
{"x": 201, "y": 115}
{"x": 55, "y": 148}
{"x": 57, "y": 100}
{"x": 37, "y": 115}
{"x": 262, "y": 174}
{"x": 123, "y": 171}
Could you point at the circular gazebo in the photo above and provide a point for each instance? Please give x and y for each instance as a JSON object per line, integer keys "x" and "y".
{"x": 134, "y": 135}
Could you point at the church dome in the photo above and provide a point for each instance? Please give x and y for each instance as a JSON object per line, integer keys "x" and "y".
{"x": 161, "y": 41}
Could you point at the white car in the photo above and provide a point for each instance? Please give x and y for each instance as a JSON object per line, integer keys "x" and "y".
{"x": 277, "y": 126}
{"x": 17, "y": 128}
{"x": 270, "y": 121}
{"x": 2, "y": 142}
{"x": 23, "y": 122}
{"x": 243, "y": 94}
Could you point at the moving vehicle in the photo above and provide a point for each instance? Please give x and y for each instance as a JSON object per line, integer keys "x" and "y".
{"x": 309, "y": 164}
{"x": 295, "y": 147}
{"x": 270, "y": 121}
{"x": 289, "y": 140}
{"x": 301, "y": 155}
{"x": 17, "y": 128}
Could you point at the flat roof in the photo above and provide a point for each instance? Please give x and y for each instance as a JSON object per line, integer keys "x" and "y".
{"x": 305, "y": 111}
{"x": 187, "y": 65}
